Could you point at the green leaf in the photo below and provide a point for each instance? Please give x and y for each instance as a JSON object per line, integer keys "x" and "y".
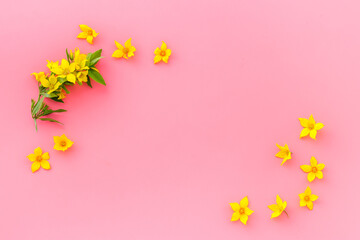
{"x": 37, "y": 106}
{"x": 56, "y": 99}
{"x": 66, "y": 90}
{"x": 50, "y": 120}
{"x": 96, "y": 54}
{"x": 94, "y": 61}
{"x": 96, "y": 76}
{"x": 89, "y": 82}
{"x": 67, "y": 55}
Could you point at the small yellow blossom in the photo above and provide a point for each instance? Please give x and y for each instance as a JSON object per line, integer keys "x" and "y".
{"x": 61, "y": 94}
{"x": 87, "y": 33}
{"x": 62, "y": 143}
{"x": 162, "y": 53}
{"x": 79, "y": 60}
{"x": 52, "y": 65}
{"x": 284, "y": 153}
{"x": 278, "y": 208}
{"x": 82, "y": 76}
{"x": 52, "y": 83}
{"x": 126, "y": 51}
{"x": 39, "y": 76}
{"x": 307, "y": 199}
{"x": 66, "y": 70}
{"x": 313, "y": 170}
{"x": 39, "y": 159}
{"x": 241, "y": 211}
{"x": 310, "y": 127}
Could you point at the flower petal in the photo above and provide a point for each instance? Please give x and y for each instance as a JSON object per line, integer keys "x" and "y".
{"x": 308, "y": 191}
{"x": 306, "y": 168}
{"x": 45, "y": 156}
{"x": 118, "y": 54}
{"x": 35, "y": 166}
{"x": 31, "y": 157}
{"x": 319, "y": 174}
{"x": 118, "y": 45}
{"x": 244, "y": 202}
{"x": 84, "y": 28}
{"x": 304, "y": 122}
{"x": 128, "y": 43}
{"x": 313, "y": 162}
{"x": 168, "y": 52}
{"x": 302, "y": 195}
{"x": 313, "y": 134}
{"x": 71, "y": 78}
{"x": 274, "y": 207}
{"x": 310, "y": 205}
{"x": 243, "y": 218}
{"x": 235, "y": 216}
{"x": 163, "y": 46}
{"x": 157, "y": 51}
{"x": 235, "y": 207}
{"x": 302, "y": 203}
{"x": 157, "y": 59}
{"x": 319, "y": 126}
{"x": 275, "y": 214}
{"x": 311, "y": 120}
{"x": 320, "y": 166}
{"x": 165, "y": 59}
{"x": 82, "y": 35}
{"x": 38, "y": 151}
{"x": 89, "y": 39}
{"x": 278, "y": 200}
{"x": 248, "y": 211}
{"x": 313, "y": 197}
{"x": 45, "y": 164}
{"x": 304, "y": 132}
{"x": 311, "y": 176}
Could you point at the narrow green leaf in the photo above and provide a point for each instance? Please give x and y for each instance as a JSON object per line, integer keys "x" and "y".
{"x": 50, "y": 120}
{"x": 37, "y": 106}
{"x": 96, "y": 54}
{"x": 66, "y": 90}
{"x": 89, "y": 82}
{"x": 56, "y": 99}
{"x": 96, "y": 76}
{"x": 67, "y": 55}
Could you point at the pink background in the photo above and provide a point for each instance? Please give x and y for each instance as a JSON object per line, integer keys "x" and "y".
{"x": 162, "y": 150}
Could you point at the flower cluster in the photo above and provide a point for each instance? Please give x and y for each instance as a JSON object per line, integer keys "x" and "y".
{"x": 314, "y": 170}
{"x": 78, "y": 68}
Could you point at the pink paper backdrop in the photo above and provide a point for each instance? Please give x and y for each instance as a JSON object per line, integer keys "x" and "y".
{"x": 162, "y": 150}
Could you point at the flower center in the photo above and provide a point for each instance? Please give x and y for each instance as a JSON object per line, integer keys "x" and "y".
{"x": 125, "y": 50}
{"x": 314, "y": 169}
{"x": 163, "y": 53}
{"x": 38, "y": 158}
{"x": 89, "y": 32}
{"x": 63, "y": 143}
{"x": 242, "y": 211}
{"x": 311, "y": 125}
{"x": 306, "y": 198}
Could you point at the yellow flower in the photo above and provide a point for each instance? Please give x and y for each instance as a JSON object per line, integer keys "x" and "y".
{"x": 52, "y": 65}
{"x": 39, "y": 159}
{"x": 241, "y": 211}
{"x": 79, "y": 60}
{"x": 278, "y": 208}
{"x": 284, "y": 153}
{"x": 66, "y": 70}
{"x": 39, "y": 76}
{"x": 82, "y": 76}
{"x": 162, "y": 54}
{"x": 62, "y": 143}
{"x": 125, "y": 52}
{"x": 61, "y": 94}
{"x": 87, "y": 33}
{"x": 310, "y": 127}
{"x": 313, "y": 170}
{"x": 52, "y": 83}
{"x": 307, "y": 199}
